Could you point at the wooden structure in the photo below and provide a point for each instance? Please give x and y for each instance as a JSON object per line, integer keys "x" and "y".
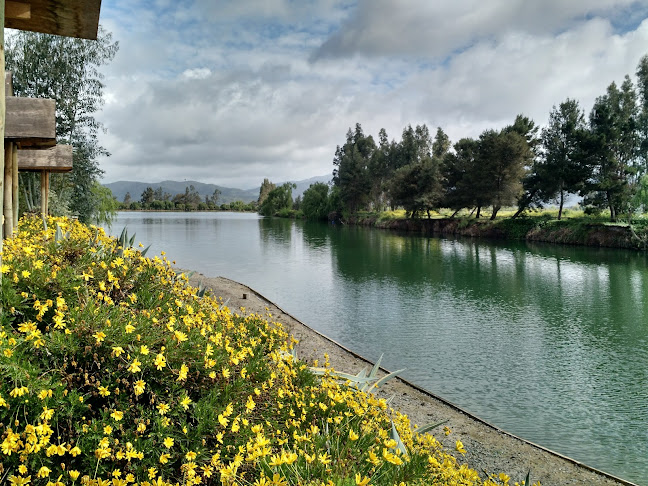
{"x": 27, "y": 122}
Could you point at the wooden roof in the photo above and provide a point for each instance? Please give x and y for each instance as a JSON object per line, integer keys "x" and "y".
{"x": 70, "y": 18}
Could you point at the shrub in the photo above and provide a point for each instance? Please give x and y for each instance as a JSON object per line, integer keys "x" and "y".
{"x": 116, "y": 372}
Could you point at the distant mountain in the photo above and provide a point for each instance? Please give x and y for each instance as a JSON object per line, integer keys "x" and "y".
{"x": 227, "y": 194}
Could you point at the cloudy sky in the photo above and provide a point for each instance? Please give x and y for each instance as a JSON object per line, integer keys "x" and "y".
{"x": 231, "y": 92}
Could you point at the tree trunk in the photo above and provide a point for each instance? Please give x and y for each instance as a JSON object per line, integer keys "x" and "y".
{"x": 495, "y": 210}
{"x": 455, "y": 213}
{"x": 613, "y": 216}
{"x": 428, "y": 213}
{"x": 478, "y": 212}
{"x": 562, "y": 202}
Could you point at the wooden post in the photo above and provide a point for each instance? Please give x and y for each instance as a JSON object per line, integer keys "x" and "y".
{"x": 8, "y": 188}
{"x": 44, "y": 193}
{"x": 2, "y": 114}
{"x": 14, "y": 189}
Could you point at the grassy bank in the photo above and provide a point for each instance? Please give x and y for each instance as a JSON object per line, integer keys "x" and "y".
{"x": 574, "y": 229}
{"x": 116, "y": 372}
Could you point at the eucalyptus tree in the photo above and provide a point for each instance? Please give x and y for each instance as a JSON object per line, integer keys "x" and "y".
{"x": 351, "y": 169}
{"x": 561, "y": 169}
{"x": 457, "y": 171}
{"x": 68, "y": 70}
{"x": 502, "y": 159}
{"x": 613, "y": 150}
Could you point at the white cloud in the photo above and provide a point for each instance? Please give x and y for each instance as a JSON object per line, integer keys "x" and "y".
{"x": 231, "y": 97}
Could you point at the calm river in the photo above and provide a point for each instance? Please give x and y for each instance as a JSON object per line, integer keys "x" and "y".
{"x": 549, "y": 343}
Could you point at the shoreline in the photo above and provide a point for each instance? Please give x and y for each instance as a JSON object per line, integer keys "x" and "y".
{"x": 489, "y": 448}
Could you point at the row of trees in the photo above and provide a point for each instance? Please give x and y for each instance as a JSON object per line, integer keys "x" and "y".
{"x": 602, "y": 158}
{"x": 189, "y": 200}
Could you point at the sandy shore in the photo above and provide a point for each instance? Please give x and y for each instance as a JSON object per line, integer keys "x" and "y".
{"x": 489, "y": 449}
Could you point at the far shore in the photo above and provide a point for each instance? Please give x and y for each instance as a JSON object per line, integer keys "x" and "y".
{"x": 488, "y": 447}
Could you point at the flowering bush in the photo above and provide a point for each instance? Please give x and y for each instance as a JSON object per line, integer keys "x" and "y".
{"x": 115, "y": 372}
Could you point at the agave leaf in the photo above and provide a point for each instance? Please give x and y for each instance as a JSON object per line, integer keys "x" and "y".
{"x": 145, "y": 250}
{"x": 201, "y": 290}
{"x": 362, "y": 373}
{"x": 528, "y": 478}
{"x": 389, "y": 400}
{"x": 340, "y": 375}
{"x": 44, "y": 223}
{"x": 386, "y": 378}
{"x": 376, "y": 367}
{"x": 132, "y": 240}
{"x": 428, "y": 427}
{"x": 224, "y": 304}
{"x": 399, "y": 443}
{"x": 122, "y": 236}
{"x": 58, "y": 235}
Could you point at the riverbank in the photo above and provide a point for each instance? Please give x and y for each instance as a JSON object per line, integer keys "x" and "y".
{"x": 540, "y": 229}
{"x": 488, "y": 448}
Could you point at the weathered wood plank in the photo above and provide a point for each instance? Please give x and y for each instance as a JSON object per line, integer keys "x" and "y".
{"x": 70, "y": 18}
{"x": 7, "y": 232}
{"x": 30, "y": 121}
{"x": 8, "y": 83}
{"x": 53, "y": 159}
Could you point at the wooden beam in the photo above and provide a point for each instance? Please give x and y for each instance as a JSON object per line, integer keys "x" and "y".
{"x": 8, "y": 83}
{"x": 8, "y": 195}
{"x": 53, "y": 159}
{"x": 14, "y": 188}
{"x": 70, "y": 18}
{"x": 30, "y": 121}
{"x": 44, "y": 192}
{"x": 2, "y": 126}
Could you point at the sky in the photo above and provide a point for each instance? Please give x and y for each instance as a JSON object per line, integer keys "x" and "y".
{"x": 232, "y": 92}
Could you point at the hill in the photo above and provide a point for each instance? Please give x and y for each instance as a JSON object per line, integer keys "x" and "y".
{"x": 227, "y": 194}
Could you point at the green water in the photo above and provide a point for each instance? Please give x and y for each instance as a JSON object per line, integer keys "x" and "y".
{"x": 549, "y": 343}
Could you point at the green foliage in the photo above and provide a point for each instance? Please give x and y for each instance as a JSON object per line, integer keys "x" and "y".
{"x": 315, "y": 203}
{"x": 278, "y": 199}
{"x": 67, "y": 70}
{"x": 104, "y": 203}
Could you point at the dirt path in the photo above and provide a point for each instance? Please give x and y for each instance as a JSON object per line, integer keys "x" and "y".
{"x": 489, "y": 449}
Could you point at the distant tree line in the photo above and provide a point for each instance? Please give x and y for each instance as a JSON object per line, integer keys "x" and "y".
{"x": 189, "y": 200}
{"x": 603, "y": 158}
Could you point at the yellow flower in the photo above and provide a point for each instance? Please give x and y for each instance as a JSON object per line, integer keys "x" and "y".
{"x": 185, "y": 402}
{"x": 117, "y": 415}
{"x": 352, "y": 435}
{"x": 99, "y": 336}
{"x": 144, "y": 350}
{"x": 141, "y": 427}
{"x": 168, "y": 442}
{"x": 360, "y": 481}
{"x": 74, "y": 474}
{"x": 182, "y": 375}
{"x": 103, "y": 391}
{"x": 160, "y": 361}
{"x": 117, "y": 351}
{"x": 191, "y": 455}
{"x": 139, "y": 387}
{"x": 163, "y": 408}
{"x": 107, "y": 430}
{"x": 43, "y": 472}
{"x": 460, "y": 447}
{"x": 135, "y": 366}
{"x": 25, "y": 274}
{"x": 164, "y": 458}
